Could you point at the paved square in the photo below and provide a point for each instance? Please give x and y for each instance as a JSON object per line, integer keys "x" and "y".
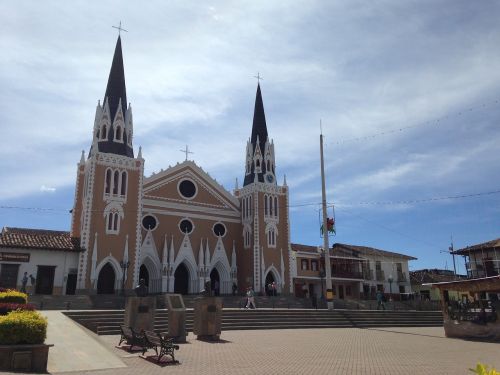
{"x": 317, "y": 351}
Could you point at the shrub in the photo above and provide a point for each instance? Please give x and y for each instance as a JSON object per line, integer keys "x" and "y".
{"x": 13, "y": 296}
{"x": 6, "y": 308}
{"x": 483, "y": 370}
{"x": 22, "y": 327}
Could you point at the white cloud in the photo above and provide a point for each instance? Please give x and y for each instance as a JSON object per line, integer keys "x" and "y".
{"x": 46, "y": 189}
{"x": 363, "y": 69}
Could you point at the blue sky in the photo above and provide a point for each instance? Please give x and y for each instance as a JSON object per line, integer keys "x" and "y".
{"x": 366, "y": 69}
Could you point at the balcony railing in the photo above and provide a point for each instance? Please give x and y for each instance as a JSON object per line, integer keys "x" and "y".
{"x": 380, "y": 275}
{"x": 347, "y": 274}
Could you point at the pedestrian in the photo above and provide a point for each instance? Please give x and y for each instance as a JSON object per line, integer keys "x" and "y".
{"x": 380, "y": 300}
{"x": 24, "y": 281}
{"x": 32, "y": 282}
{"x": 216, "y": 287}
{"x": 235, "y": 289}
{"x": 304, "y": 290}
{"x": 273, "y": 288}
{"x": 250, "y": 298}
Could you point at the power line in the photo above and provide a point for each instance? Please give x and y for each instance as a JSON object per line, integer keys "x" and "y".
{"x": 412, "y": 201}
{"x": 437, "y": 121}
{"x": 424, "y": 200}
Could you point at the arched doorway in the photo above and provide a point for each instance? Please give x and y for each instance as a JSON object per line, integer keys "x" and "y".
{"x": 215, "y": 282}
{"x": 181, "y": 279}
{"x": 270, "y": 290}
{"x": 106, "y": 280}
{"x": 144, "y": 274}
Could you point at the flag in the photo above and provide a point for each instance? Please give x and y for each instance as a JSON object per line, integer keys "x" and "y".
{"x": 330, "y": 225}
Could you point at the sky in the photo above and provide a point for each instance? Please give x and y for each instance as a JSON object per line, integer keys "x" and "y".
{"x": 407, "y": 93}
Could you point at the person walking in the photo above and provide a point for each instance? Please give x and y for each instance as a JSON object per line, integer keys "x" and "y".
{"x": 380, "y": 300}
{"x": 32, "y": 282}
{"x": 24, "y": 281}
{"x": 250, "y": 298}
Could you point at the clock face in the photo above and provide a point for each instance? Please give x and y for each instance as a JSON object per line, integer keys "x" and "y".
{"x": 269, "y": 178}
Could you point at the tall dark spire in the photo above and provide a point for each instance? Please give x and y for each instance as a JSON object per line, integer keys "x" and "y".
{"x": 116, "y": 82}
{"x": 259, "y": 130}
{"x": 116, "y": 91}
{"x": 259, "y": 127}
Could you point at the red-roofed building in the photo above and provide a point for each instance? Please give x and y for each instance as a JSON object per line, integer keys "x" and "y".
{"x": 357, "y": 271}
{"x": 51, "y": 257}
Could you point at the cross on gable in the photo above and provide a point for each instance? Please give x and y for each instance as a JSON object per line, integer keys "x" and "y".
{"x": 186, "y": 151}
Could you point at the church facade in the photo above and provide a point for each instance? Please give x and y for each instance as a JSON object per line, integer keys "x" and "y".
{"x": 178, "y": 228}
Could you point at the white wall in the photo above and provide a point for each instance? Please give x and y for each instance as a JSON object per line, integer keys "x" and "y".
{"x": 63, "y": 261}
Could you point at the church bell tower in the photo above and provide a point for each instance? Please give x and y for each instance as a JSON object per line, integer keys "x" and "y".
{"x": 264, "y": 211}
{"x": 107, "y": 209}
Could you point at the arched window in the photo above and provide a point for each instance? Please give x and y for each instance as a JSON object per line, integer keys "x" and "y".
{"x": 129, "y": 138}
{"x": 270, "y": 206}
{"x": 97, "y": 134}
{"x": 268, "y": 165}
{"x": 250, "y": 207}
{"x": 103, "y": 132}
{"x": 257, "y": 163}
{"x": 116, "y": 180}
{"x": 110, "y": 221}
{"x": 246, "y": 238}
{"x": 107, "y": 188}
{"x": 118, "y": 133}
{"x": 271, "y": 237}
{"x": 123, "y": 190}
{"x": 276, "y": 206}
{"x": 265, "y": 205}
{"x": 115, "y": 222}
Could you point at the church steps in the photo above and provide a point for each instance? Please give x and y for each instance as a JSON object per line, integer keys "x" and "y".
{"x": 108, "y": 322}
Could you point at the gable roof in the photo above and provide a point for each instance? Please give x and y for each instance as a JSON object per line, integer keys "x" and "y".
{"x": 481, "y": 246}
{"x": 157, "y": 179}
{"x": 40, "y": 239}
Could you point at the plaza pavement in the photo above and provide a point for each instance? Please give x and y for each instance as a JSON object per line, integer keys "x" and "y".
{"x": 295, "y": 351}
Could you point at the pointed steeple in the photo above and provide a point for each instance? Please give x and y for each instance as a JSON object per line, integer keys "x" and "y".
{"x": 256, "y": 167}
{"x": 114, "y": 138}
{"x": 115, "y": 90}
{"x": 259, "y": 127}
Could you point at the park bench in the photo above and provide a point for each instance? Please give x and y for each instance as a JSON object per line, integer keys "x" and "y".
{"x": 161, "y": 344}
{"x": 131, "y": 337}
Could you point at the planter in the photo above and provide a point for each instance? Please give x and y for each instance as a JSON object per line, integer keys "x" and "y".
{"x": 31, "y": 358}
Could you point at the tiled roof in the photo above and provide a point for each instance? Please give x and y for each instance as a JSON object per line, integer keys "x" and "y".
{"x": 38, "y": 239}
{"x": 351, "y": 250}
{"x": 481, "y": 246}
{"x": 304, "y": 248}
{"x": 433, "y": 276}
{"x": 364, "y": 250}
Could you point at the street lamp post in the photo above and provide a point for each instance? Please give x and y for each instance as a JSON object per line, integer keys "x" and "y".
{"x": 390, "y": 279}
{"x": 124, "y": 265}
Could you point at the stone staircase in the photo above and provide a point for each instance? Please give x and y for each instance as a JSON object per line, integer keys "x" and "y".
{"x": 107, "y": 322}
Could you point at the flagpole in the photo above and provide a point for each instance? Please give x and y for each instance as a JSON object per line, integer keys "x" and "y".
{"x": 328, "y": 273}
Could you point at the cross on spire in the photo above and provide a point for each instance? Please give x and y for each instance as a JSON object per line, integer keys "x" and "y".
{"x": 186, "y": 151}
{"x": 120, "y": 28}
{"x": 259, "y": 78}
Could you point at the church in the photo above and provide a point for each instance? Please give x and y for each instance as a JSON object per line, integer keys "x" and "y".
{"x": 178, "y": 228}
